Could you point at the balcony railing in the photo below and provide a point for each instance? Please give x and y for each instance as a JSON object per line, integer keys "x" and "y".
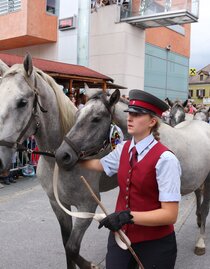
{"x": 154, "y": 13}
{"x": 7, "y": 6}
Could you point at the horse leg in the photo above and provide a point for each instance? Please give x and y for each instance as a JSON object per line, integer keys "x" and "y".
{"x": 200, "y": 247}
{"x": 74, "y": 242}
{"x": 198, "y": 194}
{"x": 65, "y": 222}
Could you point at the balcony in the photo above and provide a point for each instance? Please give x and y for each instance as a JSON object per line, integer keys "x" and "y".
{"x": 159, "y": 13}
{"x": 26, "y": 23}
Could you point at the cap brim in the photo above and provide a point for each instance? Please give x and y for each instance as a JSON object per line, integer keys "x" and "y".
{"x": 137, "y": 110}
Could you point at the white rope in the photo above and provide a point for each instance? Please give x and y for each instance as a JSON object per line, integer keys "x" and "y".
{"x": 85, "y": 215}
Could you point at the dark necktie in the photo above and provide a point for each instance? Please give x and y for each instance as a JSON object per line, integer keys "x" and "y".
{"x": 133, "y": 159}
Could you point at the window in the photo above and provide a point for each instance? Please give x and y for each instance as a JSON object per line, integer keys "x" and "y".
{"x": 190, "y": 93}
{"x": 200, "y": 93}
{"x": 201, "y": 77}
{"x": 52, "y": 6}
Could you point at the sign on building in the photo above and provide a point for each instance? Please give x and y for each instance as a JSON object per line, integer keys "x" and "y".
{"x": 67, "y": 23}
{"x": 192, "y": 72}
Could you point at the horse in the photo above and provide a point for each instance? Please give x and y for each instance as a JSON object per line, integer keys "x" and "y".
{"x": 176, "y": 113}
{"x": 203, "y": 114}
{"x": 34, "y": 104}
{"x": 189, "y": 138}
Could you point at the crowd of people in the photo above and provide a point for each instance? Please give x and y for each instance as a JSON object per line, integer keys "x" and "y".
{"x": 22, "y": 164}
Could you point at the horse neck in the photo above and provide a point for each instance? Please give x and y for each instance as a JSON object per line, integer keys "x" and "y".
{"x": 49, "y": 135}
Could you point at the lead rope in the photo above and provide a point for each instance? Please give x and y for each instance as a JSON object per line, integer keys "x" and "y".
{"x": 121, "y": 239}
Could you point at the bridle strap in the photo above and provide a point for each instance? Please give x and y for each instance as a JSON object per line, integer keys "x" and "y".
{"x": 73, "y": 146}
{"x": 82, "y": 154}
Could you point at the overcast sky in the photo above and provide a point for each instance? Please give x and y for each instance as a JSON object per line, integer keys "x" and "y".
{"x": 200, "y": 38}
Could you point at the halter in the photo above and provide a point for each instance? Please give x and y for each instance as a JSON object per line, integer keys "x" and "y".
{"x": 17, "y": 145}
{"x": 82, "y": 154}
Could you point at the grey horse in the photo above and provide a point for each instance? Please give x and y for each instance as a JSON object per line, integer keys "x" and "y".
{"x": 177, "y": 113}
{"x": 32, "y": 103}
{"x": 189, "y": 138}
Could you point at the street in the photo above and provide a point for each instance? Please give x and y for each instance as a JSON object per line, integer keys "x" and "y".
{"x": 30, "y": 235}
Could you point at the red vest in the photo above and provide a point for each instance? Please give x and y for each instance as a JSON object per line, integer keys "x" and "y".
{"x": 139, "y": 192}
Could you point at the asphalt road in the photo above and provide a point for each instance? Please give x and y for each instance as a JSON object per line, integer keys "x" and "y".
{"x": 30, "y": 235}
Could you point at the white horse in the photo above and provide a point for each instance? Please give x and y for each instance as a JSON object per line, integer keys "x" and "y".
{"x": 190, "y": 142}
{"x": 32, "y": 103}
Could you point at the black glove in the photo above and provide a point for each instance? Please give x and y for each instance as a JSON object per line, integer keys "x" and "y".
{"x": 116, "y": 220}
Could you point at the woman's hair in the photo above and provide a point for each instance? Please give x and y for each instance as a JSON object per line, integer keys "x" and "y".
{"x": 155, "y": 128}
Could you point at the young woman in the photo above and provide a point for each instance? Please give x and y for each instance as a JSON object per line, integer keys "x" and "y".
{"x": 149, "y": 182}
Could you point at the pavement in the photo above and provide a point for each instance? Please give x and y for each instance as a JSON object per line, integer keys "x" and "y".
{"x": 30, "y": 234}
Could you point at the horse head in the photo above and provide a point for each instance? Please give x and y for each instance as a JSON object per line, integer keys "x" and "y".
{"x": 18, "y": 100}
{"x": 177, "y": 112}
{"x": 78, "y": 143}
{"x": 203, "y": 114}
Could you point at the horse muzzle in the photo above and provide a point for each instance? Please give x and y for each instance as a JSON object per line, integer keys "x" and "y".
{"x": 65, "y": 157}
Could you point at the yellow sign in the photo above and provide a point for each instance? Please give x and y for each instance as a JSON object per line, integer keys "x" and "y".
{"x": 192, "y": 72}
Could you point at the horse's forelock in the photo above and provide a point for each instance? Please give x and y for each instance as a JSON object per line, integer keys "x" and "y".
{"x": 101, "y": 96}
{"x": 13, "y": 70}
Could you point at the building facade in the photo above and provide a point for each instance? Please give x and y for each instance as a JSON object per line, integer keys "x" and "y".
{"x": 114, "y": 40}
{"x": 199, "y": 86}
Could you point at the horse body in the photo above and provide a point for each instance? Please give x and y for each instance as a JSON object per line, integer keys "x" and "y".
{"x": 32, "y": 99}
{"x": 183, "y": 141}
{"x": 189, "y": 140}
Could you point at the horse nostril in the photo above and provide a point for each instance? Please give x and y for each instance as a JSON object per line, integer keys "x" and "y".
{"x": 66, "y": 158}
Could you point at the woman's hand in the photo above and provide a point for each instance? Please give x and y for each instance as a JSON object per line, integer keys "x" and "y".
{"x": 116, "y": 220}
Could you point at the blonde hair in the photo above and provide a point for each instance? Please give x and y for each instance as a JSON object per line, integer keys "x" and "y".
{"x": 154, "y": 129}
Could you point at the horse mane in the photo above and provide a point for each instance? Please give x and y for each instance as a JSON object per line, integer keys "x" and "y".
{"x": 66, "y": 108}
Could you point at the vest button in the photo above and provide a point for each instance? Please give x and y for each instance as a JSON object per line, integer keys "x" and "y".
{"x": 129, "y": 171}
{"x": 127, "y": 188}
{"x": 128, "y": 180}
{"x": 126, "y": 206}
{"x": 126, "y": 197}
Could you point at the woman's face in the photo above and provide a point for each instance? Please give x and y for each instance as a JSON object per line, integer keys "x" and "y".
{"x": 140, "y": 125}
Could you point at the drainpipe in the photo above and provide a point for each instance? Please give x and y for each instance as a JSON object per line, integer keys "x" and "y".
{"x": 83, "y": 32}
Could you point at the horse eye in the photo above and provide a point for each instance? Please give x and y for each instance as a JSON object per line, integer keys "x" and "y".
{"x": 22, "y": 103}
{"x": 96, "y": 119}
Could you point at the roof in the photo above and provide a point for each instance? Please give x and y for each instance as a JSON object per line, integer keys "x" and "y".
{"x": 56, "y": 67}
{"x": 196, "y": 79}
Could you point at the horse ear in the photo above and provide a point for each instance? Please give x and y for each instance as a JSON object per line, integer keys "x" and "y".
{"x": 27, "y": 63}
{"x": 3, "y": 68}
{"x": 114, "y": 97}
{"x": 169, "y": 102}
{"x": 184, "y": 104}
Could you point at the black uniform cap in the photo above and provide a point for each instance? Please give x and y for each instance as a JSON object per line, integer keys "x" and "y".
{"x": 144, "y": 102}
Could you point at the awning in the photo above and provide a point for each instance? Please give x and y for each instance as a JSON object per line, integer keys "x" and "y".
{"x": 77, "y": 75}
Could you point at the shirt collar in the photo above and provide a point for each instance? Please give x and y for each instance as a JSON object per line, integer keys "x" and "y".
{"x": 143, "y": 144}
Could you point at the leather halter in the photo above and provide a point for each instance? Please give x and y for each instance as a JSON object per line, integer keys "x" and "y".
{"x": 82, "y": 154}
{"x": 17, "y": 145}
